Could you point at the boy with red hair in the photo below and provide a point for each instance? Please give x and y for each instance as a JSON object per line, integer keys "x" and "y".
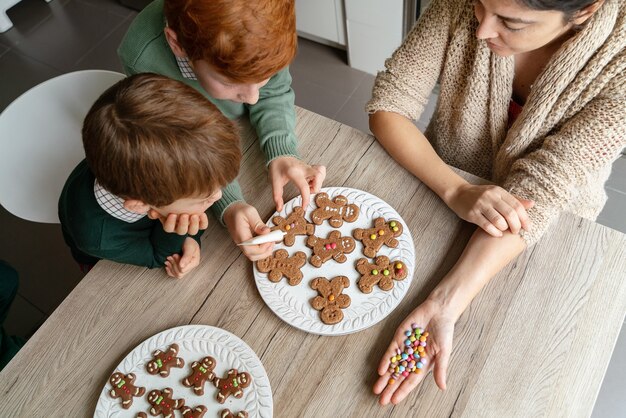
{"x": 236, "y": 53}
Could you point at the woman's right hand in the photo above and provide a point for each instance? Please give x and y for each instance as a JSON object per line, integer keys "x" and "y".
{"x": 490, "y": 207}
{"x": 430, "y": 316}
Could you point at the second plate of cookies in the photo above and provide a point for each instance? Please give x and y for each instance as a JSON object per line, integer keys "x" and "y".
{"x": 345, "y": 263}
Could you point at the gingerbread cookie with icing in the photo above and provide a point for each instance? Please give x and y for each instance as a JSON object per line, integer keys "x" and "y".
{"x": 141, "y": 415}
{"x": 382, "y": 273}
{"x": 162, "y": 361}
{"x": 383, "y": 233}
{"x": 225, "y": 413}
{"x": 336, "y": 210}
{"x": 331, "y": 299}
{"x": 233, "y": 384}
{"x": 162, "y": 403}
{"x": 294, "y": 224}
{"x": 197, "y": 412}
{"x": 334, "y": 246}
{"x": 280, "y": 265}
{"x": 124, "y": 388}
{"x": 201, "y": 372}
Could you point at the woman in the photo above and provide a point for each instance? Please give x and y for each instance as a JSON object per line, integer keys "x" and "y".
{"x": 533, "y": 97}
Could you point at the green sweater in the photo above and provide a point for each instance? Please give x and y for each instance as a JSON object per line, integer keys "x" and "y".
{"x": 93, "y": 234}
{"x": 145, "y": 49}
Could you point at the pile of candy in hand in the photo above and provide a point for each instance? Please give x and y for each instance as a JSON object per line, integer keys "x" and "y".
{"x": 414, "y": 356}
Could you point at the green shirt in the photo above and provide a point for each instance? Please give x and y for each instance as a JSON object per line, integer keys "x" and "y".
{"x": 145, "y": 49}
{"x": 93, "y": 234}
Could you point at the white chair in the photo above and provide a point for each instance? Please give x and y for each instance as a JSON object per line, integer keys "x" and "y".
{"x": 5, "y": 22}
{"x": 40, "y": 141}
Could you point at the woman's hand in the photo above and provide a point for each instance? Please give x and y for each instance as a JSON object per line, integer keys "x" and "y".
{"x": 307, "y": 178}
{"x": 430, "y": 316}
{"x": 243, "y": 221}
{"x": 490, "y": 207}
{"x": 178, "y": 266}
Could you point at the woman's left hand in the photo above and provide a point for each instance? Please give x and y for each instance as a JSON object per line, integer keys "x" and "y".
{"x": 430, "y": 316}
{"x": 307, "y": 178}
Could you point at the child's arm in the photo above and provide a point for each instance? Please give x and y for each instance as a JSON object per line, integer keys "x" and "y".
{"x": 483, "y": 257}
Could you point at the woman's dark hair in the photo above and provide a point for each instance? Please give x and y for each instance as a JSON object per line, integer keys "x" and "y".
{"x": 568, "y": 7}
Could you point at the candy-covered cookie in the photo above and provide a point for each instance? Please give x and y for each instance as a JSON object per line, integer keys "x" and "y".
{"x": 225, "y": 413}
{"x": 331, "y": 299}
{"x": 197, "y": 412}
{"x": 162, "y": 361}
{"x": 334, "y": 246}
{"x": 201, "y": 372}
{"x": 162, "y": 402}
{"x": 383, "y": 233}
{"x": 280, "y": 264}
{"x": 294, "y": 224}
{"x": 123, "y": 387}
{"x": 382, "y": 273}
{"x": 233, "y": 384}
{"x": 336, "y": 210}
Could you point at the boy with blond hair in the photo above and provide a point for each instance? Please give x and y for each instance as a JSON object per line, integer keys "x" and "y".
{"x": 155, "y": 148}
{"x": 236, "y": 53}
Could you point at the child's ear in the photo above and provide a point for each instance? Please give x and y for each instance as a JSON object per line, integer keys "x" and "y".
{"x": 172, "y": 40}
{"x": 585, "y": 14}
{"x": 136, "y": 206}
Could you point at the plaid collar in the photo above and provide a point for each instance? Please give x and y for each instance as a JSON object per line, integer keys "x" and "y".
{"x": 114, "y": 205}
{"x": 185, "y": 68}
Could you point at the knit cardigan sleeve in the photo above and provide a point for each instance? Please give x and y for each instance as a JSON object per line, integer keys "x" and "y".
{"x": 413, "y": 69}
{"x": 572, "y": 157}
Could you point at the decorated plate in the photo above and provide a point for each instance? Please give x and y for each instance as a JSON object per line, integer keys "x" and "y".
{"x": 293, "y": 303}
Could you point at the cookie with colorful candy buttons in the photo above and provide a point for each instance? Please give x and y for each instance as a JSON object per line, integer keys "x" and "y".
{"x": 201, "y": 372}
{"x": 162, "y": 403}
{"x": 383, "y": 233}
{"x": 197, "y": 412}
{"x": 382, "y": 273}
{"x": 162, "y": 361}
{"x": 293, "y": 225}
{"x": 336, "y": 210}
{"x": 331, "y": 299}
{"x": 233, "y": 384}
{"x": 413, "y": 358}
{"x": 334, "y": 246}
{"x": 280, "y": 264}
{"x": 225, "y": 413}
{"x": 124, "y": 388}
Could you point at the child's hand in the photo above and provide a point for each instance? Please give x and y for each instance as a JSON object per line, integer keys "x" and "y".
{"x": 243, "y": 222}
{"x": 492, "y": 208}
{"x": 181, "y": 223}
{"x": 440, "y": 326}
{"x": 177, "y": 266}
{"x": 307, "y": 178}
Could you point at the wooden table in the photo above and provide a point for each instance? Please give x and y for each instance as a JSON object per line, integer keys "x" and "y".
{"x": 535, "y": 342}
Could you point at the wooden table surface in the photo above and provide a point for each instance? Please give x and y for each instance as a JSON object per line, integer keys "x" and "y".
{"x": 535, "y": 342}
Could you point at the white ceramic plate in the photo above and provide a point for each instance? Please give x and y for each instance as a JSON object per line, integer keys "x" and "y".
{"x": 195, "y": 342}
{"x": 292, "y": 303}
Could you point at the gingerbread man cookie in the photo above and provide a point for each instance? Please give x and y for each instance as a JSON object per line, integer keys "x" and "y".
{"x": 197, "y": 412}
{"x": 232, "y": 384}
{"x": 163, "y": 361}
{"x": 383, "y": 233}
{"x": 123, "y": 388}
{"x": 293, "y": 225}
{"x": 162, "y": 403}
{"x": 141, "y": 415}
{"x": 225, "y": 413}
{"x": 336, "y": 210}
{"x": 382, "y": 272}
{"x": 330, "y": 300}
{"x": 280, "y": 264}
{"x": 334, "y": 246}
{"x": 200, "y": 372}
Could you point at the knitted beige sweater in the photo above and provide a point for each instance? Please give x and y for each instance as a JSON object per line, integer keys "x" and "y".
{"x": 573, "y": 126}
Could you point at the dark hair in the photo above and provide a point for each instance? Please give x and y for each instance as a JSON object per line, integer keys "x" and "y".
{"x": 567, "y": 7}
{"x": 158, "y": 140}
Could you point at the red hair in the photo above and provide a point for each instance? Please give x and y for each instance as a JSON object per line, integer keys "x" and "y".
{"x": 246, "y": 41}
